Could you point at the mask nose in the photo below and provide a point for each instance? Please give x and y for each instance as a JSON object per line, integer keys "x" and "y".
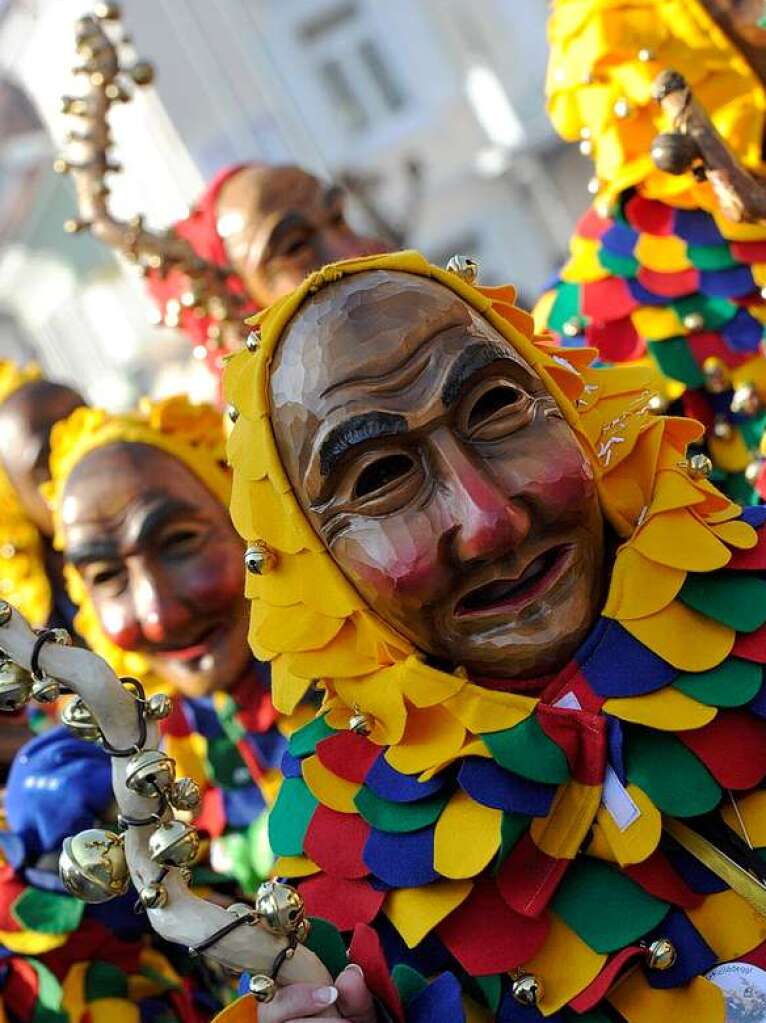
{"x": 486, "y": 522}
{"x": 161, "y": 613}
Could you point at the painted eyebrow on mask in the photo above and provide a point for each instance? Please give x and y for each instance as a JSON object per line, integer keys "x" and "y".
{"x": 355, "y": 431}
{"x": 469, "y": 362}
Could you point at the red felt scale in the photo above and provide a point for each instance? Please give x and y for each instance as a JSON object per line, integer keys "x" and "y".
{"x": 335, "y": 842}
{"x": 732, "y": 747}
{"x": 670, "y": 285}
{"x": 609, "y": 299}
{"x": 342, "y": 902}
{"x": 657, "y": 876}
{"x": 486, "y": 936}
{"x": 649, "y": 216}
{"x": 617, "y": 341}
{"x": 529, "y": 878}
{"x": 365, "y": 950}
{"x": 347, "y": 755}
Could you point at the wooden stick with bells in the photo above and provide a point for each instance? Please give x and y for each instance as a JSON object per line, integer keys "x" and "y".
{"x": 695, "y": 144}
{"x": 87, "y": 160}
{"x": 156, "y": 848}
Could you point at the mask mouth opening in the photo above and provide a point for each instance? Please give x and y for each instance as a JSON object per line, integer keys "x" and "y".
{"x": 511, "y": 594}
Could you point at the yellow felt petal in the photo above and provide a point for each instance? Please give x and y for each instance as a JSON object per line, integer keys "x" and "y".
{"x": 583, "y": 265}
{"x": 295, "y": 866}
{"x": 668, "y": 710}
{"x": 542, "y": 309}
{"x": 737, "y": 534}
{"x": 292, "y": 628}
{"x": 471, "y": 748}
{"x": 415, "y": 912}
{"x": 731, "y": 454}
{"x": 426, "y": 686}
{"x": 466, "y": 837}
{"x": 432, "y": 736}
{"x": 113, "y": 1010}
{"x": 640, "y": 587}
{"x": 482, "y": 710}
{"x": 697, "y": 1002}
{"x": 663, "y": 253}
{"x": 565, "y": 965}
{"x": 728, "y": 924}
{"x": 679, "y": 539}
{"x": 685, "y": 638}
{"x": 287, "y": 690}
{"x": 563, "y": 831}
{"x": 332, "y": 791}
{"x": 32, "y": 943}
{"x": 656, "y": 324}
{"x": 73, "y": 991}
{"x": 752, "y": 809}
{"x": 639, "y": 840}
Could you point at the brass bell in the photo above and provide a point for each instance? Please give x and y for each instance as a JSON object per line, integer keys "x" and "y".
{"x": 698, "y": 466}
{"x": 753, "y": 471}
{"x": 259, "y": 558}
{"x": 46, "y": 689}
{"x": 360, "y": 722}
{"x": 15, "y": 685}
{"x": 174, "y": 844}
{"x": 253, "y": 340}
{"x": 745, "y": 400}
{"x": 572, "y": 327}
{"x": 716, "y": 375}
{"x": 694, "y": 321}
{"x": 658, "y": 404}
{"x": 159, "y": 707}
{"x": 722, "y": 428}
{"x": 464, "y": 267}
{"x": 262, "y": 987}
{"x": 76, "y": 716}
{"x": 150, "y": 773}
{"x": 661, "y": 954}
{"x": 92, "y": 866}
{"x": 6, "y": 611}
{"x": 281, "y": 910}
{"x": 527, "y": 989}
{"x": 185, "y": 795}
{"x": 153, "y": 896}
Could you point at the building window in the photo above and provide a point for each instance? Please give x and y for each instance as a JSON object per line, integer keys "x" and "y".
{"x": 357, "y": 76}
{"x": 344, "y": 100}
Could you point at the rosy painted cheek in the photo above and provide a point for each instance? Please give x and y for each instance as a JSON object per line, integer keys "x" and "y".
{"x": 121, "y": 628}
{"x": 210, "y": 584}
{"x": 392, "y": 559}
{"x": 563, "y": 483}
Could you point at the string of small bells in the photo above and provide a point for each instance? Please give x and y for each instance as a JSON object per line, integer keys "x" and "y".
{"x": 93, "y": 866}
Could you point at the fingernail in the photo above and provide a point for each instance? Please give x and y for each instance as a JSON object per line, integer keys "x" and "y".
{"x": 325, "y": 995}
{"x": 355, "y": 967}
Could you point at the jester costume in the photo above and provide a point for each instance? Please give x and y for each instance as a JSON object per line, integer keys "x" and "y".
{"x": 230, "y": 743}
{"x": 656, "y": 271}
{"x": 508, "y": 855}
{"x": 62, "y": 960}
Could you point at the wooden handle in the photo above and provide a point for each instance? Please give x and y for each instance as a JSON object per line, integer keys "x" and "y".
{"x": 742, "y": 196}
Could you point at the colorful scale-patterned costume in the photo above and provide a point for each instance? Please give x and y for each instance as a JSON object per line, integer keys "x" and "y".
{"x": 655, "y": 269}
{"x": 476, "y": 835}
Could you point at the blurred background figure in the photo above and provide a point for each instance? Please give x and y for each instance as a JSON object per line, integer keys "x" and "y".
{"x": 430, "y": 115}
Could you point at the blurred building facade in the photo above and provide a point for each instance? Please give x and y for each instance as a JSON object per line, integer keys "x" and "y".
{"x": 352, "y": 89}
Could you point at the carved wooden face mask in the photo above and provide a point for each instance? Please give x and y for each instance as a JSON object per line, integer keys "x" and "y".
{"x": 435, "y": 466}
{"x": 281, "y": 223}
